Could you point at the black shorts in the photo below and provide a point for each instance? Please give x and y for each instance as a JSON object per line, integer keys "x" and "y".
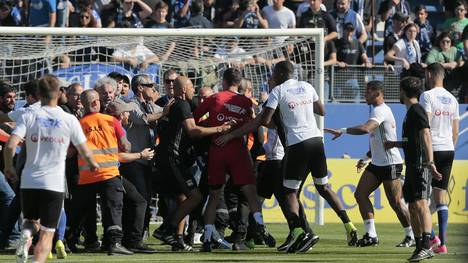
{"x": 385, "y": 173}
{"x": 417, "y": 184}
{"x": 443, "y": 161}
{"x": 177, "y": 177}
{"x": 302, "y": 158}
{"x": 270, "y": 178}
{"x": 42, "y": 204}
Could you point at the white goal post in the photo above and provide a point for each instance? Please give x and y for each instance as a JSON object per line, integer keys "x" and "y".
{"x": 84, "y": 54}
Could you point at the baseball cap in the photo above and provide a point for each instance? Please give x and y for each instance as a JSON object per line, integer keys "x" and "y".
{"x": 117, "y": 107}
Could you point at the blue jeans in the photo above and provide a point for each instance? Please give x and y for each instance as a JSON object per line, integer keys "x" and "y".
{"x": 9, "y": 213}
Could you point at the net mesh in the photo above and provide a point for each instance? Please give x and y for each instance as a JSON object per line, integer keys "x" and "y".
{"x": 84, "y": 59}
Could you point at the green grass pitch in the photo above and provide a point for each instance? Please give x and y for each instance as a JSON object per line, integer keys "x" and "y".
{"x": 331, "y": 248}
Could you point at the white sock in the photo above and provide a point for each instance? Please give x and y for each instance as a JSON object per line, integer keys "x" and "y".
{"x": 208, "y": 232}
{"x": 409, "y": 232}
{"x": 370, "y": 227}
{"x": 258, "y": 218}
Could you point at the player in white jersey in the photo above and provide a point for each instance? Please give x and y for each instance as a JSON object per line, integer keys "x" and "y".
{"x": 47, "y": 133}
{"x": 385, "y": 166}
{"x": 298, "y": 103}
{"x": 442, "y": 111}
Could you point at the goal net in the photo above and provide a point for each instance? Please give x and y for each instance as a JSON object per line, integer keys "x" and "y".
{"x": 84, "y": 55}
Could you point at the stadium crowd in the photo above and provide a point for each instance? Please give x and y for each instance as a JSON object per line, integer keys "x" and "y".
{"x": 124, "y": 141}
{"x": 410, "y": 39}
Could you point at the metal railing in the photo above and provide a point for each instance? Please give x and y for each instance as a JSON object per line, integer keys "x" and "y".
{"x": 348, "y": 84}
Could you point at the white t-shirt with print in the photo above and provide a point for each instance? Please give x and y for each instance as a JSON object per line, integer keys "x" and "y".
{"x": 386, "y": 131}
{"x": 47, "y": 133}
{"x": 444, "y": 108}
{"x": 295, "y": 100}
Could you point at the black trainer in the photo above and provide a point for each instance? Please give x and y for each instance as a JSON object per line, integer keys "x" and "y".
{"x": 263, "y": 234}
{"x": 118, "y": 249}
{"x": 367, "y": 241}
{"x": 304, "y": 243}
{"x": 352, "y": 238}
{"x": 240, "y": 245}
{"x": 308, "y": 240}
{"x": 206, "y": 247}
{"x": 92, "y": 247}
{"x": 167, "y": 236}
{"x": 421, "y": 255}
{"x": 140, "y": 247}
{"x": 407, "y": 242}
{"x": 179, "y": 244}
{"x": 289, "y": 241}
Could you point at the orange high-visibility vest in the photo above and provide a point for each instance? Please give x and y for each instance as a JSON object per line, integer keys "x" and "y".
{"x": 102, "y": 141}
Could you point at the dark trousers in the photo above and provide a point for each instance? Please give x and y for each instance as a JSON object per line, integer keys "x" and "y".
{"x": 133, "y": 220}
{"x": 88, "y": 212}
{"x": 10, "y": 211}
{"x": 111, "y": 193}
{"x": 238, "y": 208}
{"x": 140, "y": 176}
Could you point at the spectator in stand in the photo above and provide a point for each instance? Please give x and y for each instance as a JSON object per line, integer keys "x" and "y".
{"x": 228, "y": 14}
{"x": 399, "y": 22}
{"x": 7, "y": 17}
{"x": 279, "y": 16}
{"x": 426, "y": 32}
{"x": 456, "y": 24}
{"x": 343, "y": 15}
{"x": 157, "y": 19}
{"x": 197, "y": 20}
{"x": 42, "y": 13}
{"x": 182, "y": 13}
{"x": 63, "y": 12}
{"x": 406, "y": 52}
{"x": 445, "y": 53}
{"x": 209, "y": 10}
{"x": 305, "y": 6}
{"x": 449, "y": 7}
{"x": 362, "y": 7}
{"x": 463, "y": 95}
{"x": 388, "y": 8}
{"x": 86, "y": 5}
{"x": 108, "y": 10}
{"x": 351, "y": 52}
{"x": 250, "y": 16}
{"x": 315, "y": 17}
{"x": 87, "y": 19}
{"x": 127, "y": 18}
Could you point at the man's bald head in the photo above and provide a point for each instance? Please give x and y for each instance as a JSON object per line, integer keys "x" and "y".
{"x": 90, "y": 100}
{"x": 183, "y": 87}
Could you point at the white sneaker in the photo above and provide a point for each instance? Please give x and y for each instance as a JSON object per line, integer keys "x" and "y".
{"x": 22, "y": 248}
{"x": 197, "y": 239}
